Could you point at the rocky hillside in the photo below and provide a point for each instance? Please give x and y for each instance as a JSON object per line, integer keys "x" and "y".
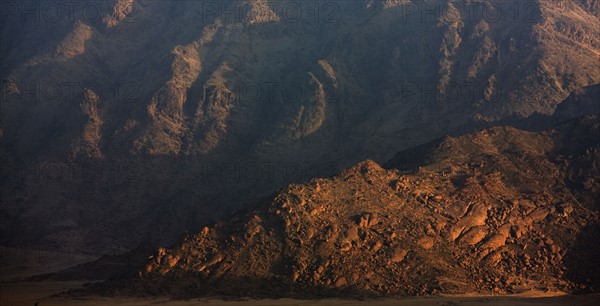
{"x": 496, "y": 211}
{"x": 152, "y": 110}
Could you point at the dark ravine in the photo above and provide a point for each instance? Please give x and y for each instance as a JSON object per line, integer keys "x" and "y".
{"x": 497, "y": 211}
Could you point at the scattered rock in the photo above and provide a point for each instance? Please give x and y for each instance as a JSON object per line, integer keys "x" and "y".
{"x": 340, "y": 282}
{"x": 539, "y": 214}
{"x": 473, "y": 236}
{"x": 426, "y": 243}
{"x": 494, "y": 241}
{"x": 368, "y": 220}
{"x": 398, "y": 255}
{"x": 345, "y": 237}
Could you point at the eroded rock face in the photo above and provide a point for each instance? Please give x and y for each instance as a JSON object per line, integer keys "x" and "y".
{"x": 460, "y": 223}
{"x": 121, "y": 10}
{"x": 74, "y": 44}
{"x": 87, "y": 146}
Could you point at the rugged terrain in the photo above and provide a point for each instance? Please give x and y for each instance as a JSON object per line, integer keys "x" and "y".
{"x": 497, "y": 211}
{"x": 156, "y": 116}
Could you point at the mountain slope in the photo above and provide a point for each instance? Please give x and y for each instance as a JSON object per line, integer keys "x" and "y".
{"x": 162, "y": 108}
{"x": 499, "y": 210}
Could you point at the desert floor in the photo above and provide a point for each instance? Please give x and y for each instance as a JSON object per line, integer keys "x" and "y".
{"x": 30, "y": 293}
{"x": 15, "y": 290}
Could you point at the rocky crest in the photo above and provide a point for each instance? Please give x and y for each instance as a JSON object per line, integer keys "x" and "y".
{"x": 497, "y": 211}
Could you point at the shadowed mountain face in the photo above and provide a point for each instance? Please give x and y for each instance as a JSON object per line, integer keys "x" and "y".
{"x": 133, "y": 120}
{"x": 513, "y": 210}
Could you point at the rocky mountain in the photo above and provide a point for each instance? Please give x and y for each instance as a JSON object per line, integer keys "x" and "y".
{"x": 497, "y": 211}
{"x": 129, "y": 120}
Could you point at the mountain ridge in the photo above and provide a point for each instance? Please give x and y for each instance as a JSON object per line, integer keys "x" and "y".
{"x": 503, "y": 216}
{"x": 156, "y": 84}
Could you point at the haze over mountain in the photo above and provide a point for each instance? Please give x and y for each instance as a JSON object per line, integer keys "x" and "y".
{"x": 156, "y": 117}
